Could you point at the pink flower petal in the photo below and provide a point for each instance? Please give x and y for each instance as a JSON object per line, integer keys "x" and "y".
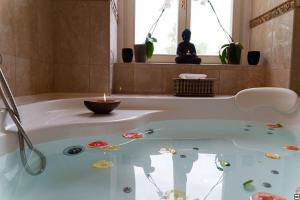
{"x": 133, "y": 135}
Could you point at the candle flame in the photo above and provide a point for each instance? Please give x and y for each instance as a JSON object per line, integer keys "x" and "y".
{"x": 104, "y": 97}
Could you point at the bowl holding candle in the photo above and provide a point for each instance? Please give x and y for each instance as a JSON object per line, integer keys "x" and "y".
{"x": 102, "y": 106}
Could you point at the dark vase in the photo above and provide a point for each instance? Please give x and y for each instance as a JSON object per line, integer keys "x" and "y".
{"x": 127, "y": 55}
{"x": 234, "y": 54}
{"x": 140, "y": 53}
{"x": 253, "y": 57}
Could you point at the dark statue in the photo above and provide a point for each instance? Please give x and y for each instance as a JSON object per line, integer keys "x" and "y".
{"x": 186, "y": 51}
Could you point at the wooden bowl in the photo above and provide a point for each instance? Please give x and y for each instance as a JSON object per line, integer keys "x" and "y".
{"x": 101, "y": 106}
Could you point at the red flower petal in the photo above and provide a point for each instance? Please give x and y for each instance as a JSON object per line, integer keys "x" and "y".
{"x": 133, "y": 135}
{"x": 266, "y": 196}
{"x": 98, "y": 144}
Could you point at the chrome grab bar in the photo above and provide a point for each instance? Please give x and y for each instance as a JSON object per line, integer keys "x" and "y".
{"x": 11, "y": 107}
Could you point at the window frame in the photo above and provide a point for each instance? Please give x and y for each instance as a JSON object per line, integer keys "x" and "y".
{"x": 126, "y": 28}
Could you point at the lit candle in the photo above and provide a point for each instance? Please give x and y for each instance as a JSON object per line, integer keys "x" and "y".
{"x": 103, "y": 105}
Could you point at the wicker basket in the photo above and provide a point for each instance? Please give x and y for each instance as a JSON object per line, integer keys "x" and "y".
{"x": 194, "y": 88}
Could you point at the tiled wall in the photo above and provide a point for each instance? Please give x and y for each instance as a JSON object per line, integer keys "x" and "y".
{"x": 274, "y": 39}
{"x": 26, "y": 45}
{"x": 81, "y": 46}
{"x": 158, "y": 78}
{"x": 295, "y": 74}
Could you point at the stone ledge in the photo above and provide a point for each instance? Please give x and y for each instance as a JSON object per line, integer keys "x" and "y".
{"x": 157, "y": 78}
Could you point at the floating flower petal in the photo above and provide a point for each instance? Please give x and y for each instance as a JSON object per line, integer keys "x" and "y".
{"x": 248, "y": 185}
{"x": 273, "y": 156}
{"x": 111, "y": 148}
{"x": 167, "y": 150}
{"x": 103, "y": 164}
{"x": 174, "y": 195}
{"x": 224, "y": 163}
{"x": 274, "y": 125}
{"x": 97, "y": 144}
{"x": 298, "y": 190}
{"x": 133, "y": 135}
{"x": 292, "y": 148}
{"x": 266, "y": 196}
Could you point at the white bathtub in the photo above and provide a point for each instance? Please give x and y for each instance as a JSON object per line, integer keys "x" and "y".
{"x": 55, "y": 120}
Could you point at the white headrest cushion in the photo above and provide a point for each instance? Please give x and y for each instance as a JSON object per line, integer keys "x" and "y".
{"x": 280, "y": 99}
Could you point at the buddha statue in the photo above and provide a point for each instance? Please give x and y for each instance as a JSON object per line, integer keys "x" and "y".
{"x": 186, "y": 51}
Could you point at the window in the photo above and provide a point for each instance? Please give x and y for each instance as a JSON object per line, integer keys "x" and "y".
{"x": 166, "y": 32}
{"x": 207, "y": 35}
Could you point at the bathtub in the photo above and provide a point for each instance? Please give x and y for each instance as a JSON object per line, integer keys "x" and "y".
{"x": 190, "y": 148}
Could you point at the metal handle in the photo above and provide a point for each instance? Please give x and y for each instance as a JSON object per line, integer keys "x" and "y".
{"x": 12, "y": 109}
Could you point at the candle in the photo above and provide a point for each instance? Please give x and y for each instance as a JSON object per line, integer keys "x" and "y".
{"x": 102, "y": 106}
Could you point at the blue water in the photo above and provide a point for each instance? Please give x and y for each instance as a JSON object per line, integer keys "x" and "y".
{"x": 141, "y": 172}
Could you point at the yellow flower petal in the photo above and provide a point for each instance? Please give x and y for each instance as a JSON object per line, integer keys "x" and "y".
{"x": 103, "y": 164}
{"x": 174, "y": 195}
{"x": 273, "y": 156}
{"x": 167, "y": 150}
{"x": 111, "y": 148}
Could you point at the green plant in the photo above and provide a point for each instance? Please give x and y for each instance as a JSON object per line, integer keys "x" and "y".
{"x": 150, "y": 45}
{"x": 230, "y": 53}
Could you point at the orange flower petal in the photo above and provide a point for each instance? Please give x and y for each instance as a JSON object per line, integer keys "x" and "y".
{"x": 274, "y": 125}
{"x": 292, "y": 148}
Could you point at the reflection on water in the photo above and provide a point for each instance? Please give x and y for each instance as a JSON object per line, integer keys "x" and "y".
{"x": 161, "y": 169}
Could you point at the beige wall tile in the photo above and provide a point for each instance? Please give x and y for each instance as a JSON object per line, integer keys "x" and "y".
{"x": 7, "y": 28}
{"x": 42, "y": 75}
{"x": 24, "y": 77}
{"x": 45, "y": 30}
{"x": 123, "y": 79}
{"x": 71, "y": 32}
{"x": 262, "y": 6}
{"x": 232, "y": 81}
{"x": 278, "y": 78}
{"x": 282, "y": 41}
{"x": 71, "y": 78}
{"x": 99, "y": 79}
{"x": 256, "y": 77}
{"x": 296, "y": 41}
{"x": 9, "y": 69}
{"x": 26, "y": 23}
{"x": 148, "y": 79}
{"x": 100, "y": 32}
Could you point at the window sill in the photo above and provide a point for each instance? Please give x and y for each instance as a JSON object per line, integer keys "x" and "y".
{"x": 202, "y": 66}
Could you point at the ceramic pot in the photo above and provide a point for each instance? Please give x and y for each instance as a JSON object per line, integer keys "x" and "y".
{"x": 253, "y": 57}
{"x": 127, "y": 55}
{"x": 140, "y": 53}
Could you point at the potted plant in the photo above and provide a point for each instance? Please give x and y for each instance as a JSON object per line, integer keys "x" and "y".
{"x": 231, "y": 52}
{"x": 145, "y": 51}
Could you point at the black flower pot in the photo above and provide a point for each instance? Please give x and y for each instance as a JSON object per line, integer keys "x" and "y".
{"x": 234, "y": 54}
{"x": 253, "y": 57}
{"x": 127, "y": 55}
